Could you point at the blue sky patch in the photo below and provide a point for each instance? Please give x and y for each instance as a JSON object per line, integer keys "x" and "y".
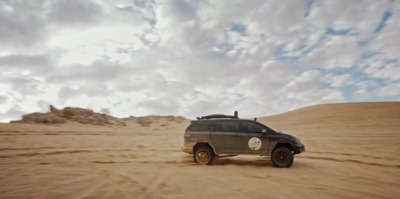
{"x": 280, "y": 54}
{"x": 348, "y": 91}
{"x": 382, "y": 24}
{"x": 239, "y": 28}
{"x": 363, "y": 43}
{"x": 331, "y": 31}
{"x": 308, "y": 8}
{"x": 223, "y": 49}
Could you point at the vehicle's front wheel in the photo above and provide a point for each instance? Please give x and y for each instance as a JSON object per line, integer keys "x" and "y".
{"x": 282, "y": 157}
{"x": 203, "y": 155}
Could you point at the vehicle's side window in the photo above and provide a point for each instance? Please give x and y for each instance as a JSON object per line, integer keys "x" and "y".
{"x": 218, "y": 127}
{"x": 251, "y": 127}
{"x": 230, "y": 126}
{"x": 200, "y": 126}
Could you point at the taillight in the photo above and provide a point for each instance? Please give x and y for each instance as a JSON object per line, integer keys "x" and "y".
{"x": 188, "y": 135}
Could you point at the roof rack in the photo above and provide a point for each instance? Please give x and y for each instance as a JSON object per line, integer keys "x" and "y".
{"x": 219, "y": 116}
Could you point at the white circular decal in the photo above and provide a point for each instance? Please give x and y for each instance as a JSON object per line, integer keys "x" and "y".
{"x": 255, "y": 144}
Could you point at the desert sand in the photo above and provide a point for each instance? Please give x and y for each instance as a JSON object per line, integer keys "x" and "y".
{"x": 352, "y": 151}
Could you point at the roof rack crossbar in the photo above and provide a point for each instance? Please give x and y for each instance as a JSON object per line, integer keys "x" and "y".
{"x": 219, "y": 116}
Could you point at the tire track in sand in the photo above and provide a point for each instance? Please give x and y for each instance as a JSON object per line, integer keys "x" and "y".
{"x": 349, "y": 160}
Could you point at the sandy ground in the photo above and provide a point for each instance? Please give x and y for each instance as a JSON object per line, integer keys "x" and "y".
{"x": 353, "y": 151}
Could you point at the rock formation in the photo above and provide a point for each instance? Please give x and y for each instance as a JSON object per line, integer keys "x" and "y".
{"x": 81, "y": 115}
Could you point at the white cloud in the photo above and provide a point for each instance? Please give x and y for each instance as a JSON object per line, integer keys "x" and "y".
{"x": 386, "y": 41}
{"x": 72, "y": 13}
{"x": 336, "y": 52}
{"x": 364, "y": 89}
{"x": 372, "y": 89}
{"x": 385, "y": 71}
{"x": 390, "y": 90}
{"x": 194, "y": 57}
{"x": 379, "y": 66}
{"x": 338, "y": 81}
{"x": 87, "y": 46}
{"x": 306, "y": 79}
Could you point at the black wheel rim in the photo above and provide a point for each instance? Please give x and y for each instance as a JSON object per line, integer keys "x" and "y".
{"x": 203, "y": 156}
{"x": 282, "y": 158}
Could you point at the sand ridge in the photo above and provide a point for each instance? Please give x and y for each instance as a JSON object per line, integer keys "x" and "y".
{"x": 352, "y": 151}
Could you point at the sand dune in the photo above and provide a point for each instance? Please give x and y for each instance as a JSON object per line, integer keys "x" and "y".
{"x": 352, "y": 151}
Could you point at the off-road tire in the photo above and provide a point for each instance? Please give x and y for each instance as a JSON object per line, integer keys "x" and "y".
{"x": 203, "y": 155}
{"x": 282, "y": 157}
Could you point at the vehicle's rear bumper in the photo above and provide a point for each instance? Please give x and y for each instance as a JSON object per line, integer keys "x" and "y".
{"x": 188, "y": 147}
{"x": 187, "y": 150}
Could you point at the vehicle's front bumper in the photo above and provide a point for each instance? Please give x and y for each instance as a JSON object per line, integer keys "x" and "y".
{"x": 300, "y": 147}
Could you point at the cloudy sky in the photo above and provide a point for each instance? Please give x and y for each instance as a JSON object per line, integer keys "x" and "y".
{"x": 196, "y": 57}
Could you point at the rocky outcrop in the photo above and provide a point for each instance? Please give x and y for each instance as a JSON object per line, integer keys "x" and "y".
{"x": 81, "y": 115}
{"x": 147, "y": 121}
{"x": 46, "y": 118}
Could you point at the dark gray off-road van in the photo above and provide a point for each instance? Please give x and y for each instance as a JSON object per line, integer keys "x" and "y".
{"x": 209, "y": 137}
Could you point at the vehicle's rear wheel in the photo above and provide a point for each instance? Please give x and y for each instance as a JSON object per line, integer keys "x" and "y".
{"x": 203, "y": 155}
{"x": 282, "y": 157}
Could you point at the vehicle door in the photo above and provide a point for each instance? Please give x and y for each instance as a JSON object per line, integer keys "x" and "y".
{"x": 254, "y": 138}
{"x": 225, "y": 136}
